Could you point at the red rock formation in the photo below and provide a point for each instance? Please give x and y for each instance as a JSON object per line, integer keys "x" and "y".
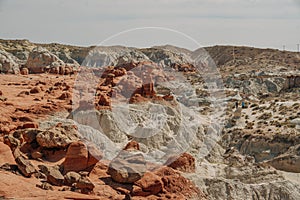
{"x": 185, "y": 163}
{"x": 149, "y": 184}
{"x": 6, "y": 154}
{"x": 104, "y": 100}
{"x": 137, "y": 98}
{"x": 76, "y": 158}
{"x": 132, "y": 145}
{"x": 176, "y": 184}
{"x": 80, "y": 157}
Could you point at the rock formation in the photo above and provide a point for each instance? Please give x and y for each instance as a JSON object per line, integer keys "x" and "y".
{"x": 142, "y": 137}
{"x": 8, "y": 63}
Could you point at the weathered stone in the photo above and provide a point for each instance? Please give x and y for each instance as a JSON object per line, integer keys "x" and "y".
{"x": 25, "y": 166}
{"x": 76, "y": 158}
{"x": 57, "y": 137}
{"x": 127, "y": 167}
{"x": 8, "y": 63}
{"x": 11, "y": 141}
{"x": 85, "y": 185}
{"x": 150, "y": 183}
{"x": 40, "y": 59}
{"x": 72, "y": 177}
{"x": 45, "y": 186}
{"x": 53, "y": 174}
{"x": 29, "y": 135}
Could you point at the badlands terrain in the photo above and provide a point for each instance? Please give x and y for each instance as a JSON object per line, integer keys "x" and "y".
{"x": 163, "y": 122}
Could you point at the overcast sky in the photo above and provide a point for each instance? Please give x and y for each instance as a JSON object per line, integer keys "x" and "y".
{"x": 259, "y": 23}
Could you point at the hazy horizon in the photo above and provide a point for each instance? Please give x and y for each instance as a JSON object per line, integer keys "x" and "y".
{"x": 255, "y": 23}
{"x": 87, "y": 46}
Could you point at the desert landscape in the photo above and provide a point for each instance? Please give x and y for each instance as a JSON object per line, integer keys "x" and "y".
{"x": 164, "y": 122}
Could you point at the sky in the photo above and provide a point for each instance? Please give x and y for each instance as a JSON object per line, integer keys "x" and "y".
{"x": 142, "y": 23}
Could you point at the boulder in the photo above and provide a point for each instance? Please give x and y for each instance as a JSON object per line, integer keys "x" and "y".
{"x": 175, "y": 183}
{"x": 76, "y": 158}
{"x": 81, "y": 157}
{"x": 85, "y": 185}
{"x": 6, "y": 154}
{"x": 45, "y": 186}
{"x": 35, "y": 90}
{"x": 185, "y": 163}
{"x": 72, "y": 177}
{"x": 40, "y": 59}
{"x": 25, "y": 166}
{"x": 53, "y": 174}
{"x": 150, "y": 183}
{"x": 57, "y": 137}
{"x": 94, "y": 155}
{"x": 8, "y": 63}
{"x": 127, "y": 167}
